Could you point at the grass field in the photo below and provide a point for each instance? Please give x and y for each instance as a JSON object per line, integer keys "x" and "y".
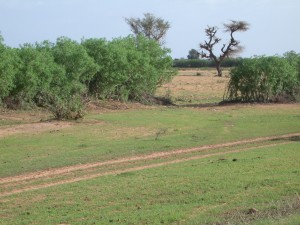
{"x": 134, "y": 164}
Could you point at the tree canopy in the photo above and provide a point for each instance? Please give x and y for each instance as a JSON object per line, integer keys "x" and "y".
{"x": 152, "y": 27}
{"x": 193, "y": 54}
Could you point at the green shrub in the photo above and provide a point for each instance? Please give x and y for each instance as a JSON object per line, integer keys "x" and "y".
{"x": 98, "y": 50}
{"x": 36, "y": 73}
{"x": 64, "y": 106}
{"x": 60, "y": 76}
{"x": 68, "y": 88}
{"x": 129, "y": 68}
{"x": 8, "y": 70}
{"x": 262, "y": 79}
{"x": 54, "y": 76}
{"x": 79, "y": 66}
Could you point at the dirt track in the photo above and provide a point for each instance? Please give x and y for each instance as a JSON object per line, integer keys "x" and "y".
{"x": 26, "y": 182}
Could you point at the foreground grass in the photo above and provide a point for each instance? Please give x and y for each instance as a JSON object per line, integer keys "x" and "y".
{"x": 204, "y": 191}
{"x": 113, "y": 135}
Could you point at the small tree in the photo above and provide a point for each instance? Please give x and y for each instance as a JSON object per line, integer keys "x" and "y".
{"x": 227, "y": 50}
{"x": 193, "y": 54}
{"x": 152, "y": 27}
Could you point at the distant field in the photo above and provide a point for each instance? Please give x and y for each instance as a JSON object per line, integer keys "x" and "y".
{"x": 125, "y": 163}
{"x": 196, "y": 86}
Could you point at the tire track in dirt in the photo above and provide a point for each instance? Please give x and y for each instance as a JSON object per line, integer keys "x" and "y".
{"x": 66, "y": 170}
{"x": 133, "y": 169}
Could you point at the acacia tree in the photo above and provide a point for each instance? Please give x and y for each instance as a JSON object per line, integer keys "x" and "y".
{"x": 227, "y": 50}
{"x": 193, "y": 54}
{"x": 152, "y": 27}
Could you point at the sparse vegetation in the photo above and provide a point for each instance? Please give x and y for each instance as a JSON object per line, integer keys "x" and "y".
{"x": 160, "y": 132}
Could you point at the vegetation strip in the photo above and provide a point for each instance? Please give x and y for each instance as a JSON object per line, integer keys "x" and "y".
{"x": 133, "y": 169}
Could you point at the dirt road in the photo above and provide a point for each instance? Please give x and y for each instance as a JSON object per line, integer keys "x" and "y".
{"x": 66, "y": 175}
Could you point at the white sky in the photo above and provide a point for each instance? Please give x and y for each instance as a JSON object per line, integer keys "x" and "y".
{"x": 275, "y": 24}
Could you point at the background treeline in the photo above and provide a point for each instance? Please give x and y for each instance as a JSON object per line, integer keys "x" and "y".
{"x": 265, "y": 79}
{"x": 61, "y": 76}
{"x": 198, "y": 63}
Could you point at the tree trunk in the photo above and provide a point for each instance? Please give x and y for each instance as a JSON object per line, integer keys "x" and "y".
{"x": 218, "y": 66}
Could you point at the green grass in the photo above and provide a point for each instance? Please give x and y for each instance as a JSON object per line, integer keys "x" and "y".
{"x": 214, "y": 190}
{"x": 202, "y": 191}
{"x": 112, "y": 135}
{"x": 4, "y": 122}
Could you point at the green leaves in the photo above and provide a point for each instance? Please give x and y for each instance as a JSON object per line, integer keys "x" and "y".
{"x": 54, "y": 76}
{"x": 263, "y": 79}
{"x": 129, "y": 68}
{"x": 150, "y": 26}
{"x": 75, "y": 60}
{"x": 59, "y": 76}
{"x": 7, "y": 70}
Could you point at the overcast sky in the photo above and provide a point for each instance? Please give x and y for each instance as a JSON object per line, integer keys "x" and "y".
{"x": 274, "y": 24}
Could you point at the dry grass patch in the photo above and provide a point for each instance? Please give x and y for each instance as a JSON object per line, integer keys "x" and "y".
{"x": 273, "y": 211}
{"x": 195, "y": 87}
{"x": 24, "y": 115}
{"x": 33, "y": 128}
{"x": 126, "y": 132}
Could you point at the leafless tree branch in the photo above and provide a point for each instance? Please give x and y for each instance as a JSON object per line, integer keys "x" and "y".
{"x": 227, "y": 50}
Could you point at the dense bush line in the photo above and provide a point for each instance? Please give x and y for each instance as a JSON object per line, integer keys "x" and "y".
{"x": 198, "y": 63}
{"x": 264, "y": 79}
{"x": 61, "y": 76}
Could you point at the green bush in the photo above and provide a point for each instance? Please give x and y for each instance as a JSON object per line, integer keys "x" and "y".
{"x": 8, "y": 70}
{"x": 130, "y": 68}
{"x": 79, "y": 66}
{"x": 262, "y": 79}
{"x": 36, "y": 73}
{"x": 68, "y": 88}
{"x": 98, "y": 50}
{"x": 54, "y": 76}
{"x": 60, "y": 76}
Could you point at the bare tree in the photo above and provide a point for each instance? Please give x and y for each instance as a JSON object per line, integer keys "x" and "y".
{"x": 227, "y": 50}
{"x": 150, "y": 26}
